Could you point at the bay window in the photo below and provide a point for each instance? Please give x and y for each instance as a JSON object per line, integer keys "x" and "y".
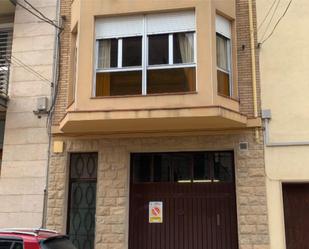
{"x": 140, "y": 55}
{"x": 224, "y": 67}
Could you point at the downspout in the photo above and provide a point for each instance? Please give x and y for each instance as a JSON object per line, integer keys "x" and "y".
{"x": 49, "y": 122}
{"x": 253, "y": 66}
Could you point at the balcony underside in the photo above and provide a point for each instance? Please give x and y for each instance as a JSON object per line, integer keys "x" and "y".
{"x": 155, "y": 120}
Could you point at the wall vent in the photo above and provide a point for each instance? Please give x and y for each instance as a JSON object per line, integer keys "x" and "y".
{"x": 243, "y": 146}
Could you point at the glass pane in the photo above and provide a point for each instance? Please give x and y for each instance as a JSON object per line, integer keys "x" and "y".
{"x": 18, "y": 245}
{"x": 82, "y": 214}
{"x": 158, "y": 49}
{"x": 132, "y": 51}
{"x": 223, "y": 83}
{"x": 223, "y": 167}
{"x": 5, "y": 245}
{"x": 141, "y": 167}
{"x": 201, "y": 169}
{"x": 83, "y": 166}
{"x": 108, "y": 53}
{"x": 161, "y": 168}
{"x": 119, "y": 83}
{"x": 182, "y": 167}
{"x": 183, "y": 48}
{"x": 222, "y": 52}
{"x": 61, "y": 243}
{"x": 171, "y": 80}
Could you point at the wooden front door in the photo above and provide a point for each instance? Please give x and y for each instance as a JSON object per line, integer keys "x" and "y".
{"x": 296, "y": 215}
{"x": 197, "y": 191}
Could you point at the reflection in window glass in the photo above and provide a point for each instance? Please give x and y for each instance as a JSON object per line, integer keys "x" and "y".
{"x": 183, "y": 48}
{"x": 201, "y": 169}
{"x": 108, "y": 53}
{"x": 223, "y": 65}
{"x": 132, "y": 51}
{"x": 5, "y": 244}
{"x": 61, "y": 243}
{"x": 171, "y": 80}
{"x": 141, "y": 167}
{"x": 119, "y": 83}
{"x": 222, "y": 52}
{"x": 161, "y": 168}
{"x": 158, "y": 49}
{"x": 223, "y": 167}
{"x": 18, "y": 245}
{"x": 182, "y": 168}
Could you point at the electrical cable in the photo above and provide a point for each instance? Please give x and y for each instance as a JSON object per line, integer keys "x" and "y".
{"x": 279, "y": 20}
{"x": 13, "y": 60}
{"x": 39, "y": 12}
{"x": 270, "y": 20}
{"x": 56, "y": 86}
{"x": 31, "y": 70}
{"x": 44, "y": 19}
{"x": 267, "y": 14}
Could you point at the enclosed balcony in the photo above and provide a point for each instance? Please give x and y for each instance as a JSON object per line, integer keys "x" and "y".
{"x": 153, "y": 68}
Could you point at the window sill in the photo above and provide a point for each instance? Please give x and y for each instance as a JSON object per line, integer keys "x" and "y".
{"x": 140, "y": 95}
{"x": 229, "y": 97}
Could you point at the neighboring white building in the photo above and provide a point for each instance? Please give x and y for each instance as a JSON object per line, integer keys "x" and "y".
{"x": 25, "y": 145}
{"x": 285, "y": 86}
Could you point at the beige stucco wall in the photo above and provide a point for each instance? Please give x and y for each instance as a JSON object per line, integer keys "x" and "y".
{"x": 113, "y": 182}
{"x": 284, "y": 85}
{"x": 23, "y": 171}
{"x": 205, "y": 13}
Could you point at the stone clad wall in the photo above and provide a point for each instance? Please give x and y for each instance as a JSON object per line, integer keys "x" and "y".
{"x": 113, "y": 184}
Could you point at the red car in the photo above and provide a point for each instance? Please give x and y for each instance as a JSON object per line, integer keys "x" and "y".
{"x": 16, "y": 238}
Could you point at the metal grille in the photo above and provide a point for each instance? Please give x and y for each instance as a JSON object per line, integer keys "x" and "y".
{"x": 82, "y": 205}
{"x": 5, "y": 57}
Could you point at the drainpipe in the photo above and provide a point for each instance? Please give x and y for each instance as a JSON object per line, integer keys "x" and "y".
{"x": 266, "y": 116}
{"x": 253, "y": 66}
{"x": 55, "y": 81}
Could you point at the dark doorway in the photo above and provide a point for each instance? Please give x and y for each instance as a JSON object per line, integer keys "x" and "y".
{"x": 296, "y": 215}
{"x": 82, "y": 199}
{"x": 197, "y": 191}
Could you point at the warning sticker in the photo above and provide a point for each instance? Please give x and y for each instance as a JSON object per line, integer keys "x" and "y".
{"x": 155, "y": 212}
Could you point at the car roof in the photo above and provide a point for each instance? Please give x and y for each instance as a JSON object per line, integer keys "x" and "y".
{"x": 28, "y": 234}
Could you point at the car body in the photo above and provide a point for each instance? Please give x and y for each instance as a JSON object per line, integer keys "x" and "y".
{"x": 25, "y": 238}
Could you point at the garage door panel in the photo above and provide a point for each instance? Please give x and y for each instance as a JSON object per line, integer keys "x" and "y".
{"x": 196, "y": 215}
{"x": 296, "y": 215}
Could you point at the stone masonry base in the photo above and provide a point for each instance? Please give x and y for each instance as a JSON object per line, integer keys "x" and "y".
{"x": 113, "y": 183}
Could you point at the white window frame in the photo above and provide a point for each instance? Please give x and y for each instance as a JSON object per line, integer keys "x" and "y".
{"x": 145, "y": 55}
{"x": 226, "y": 32}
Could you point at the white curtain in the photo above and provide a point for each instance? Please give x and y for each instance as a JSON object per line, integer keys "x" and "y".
{"x": 104, "y": 57}
{"x": 186, "y": 47}
{"x": 222, "y": 59}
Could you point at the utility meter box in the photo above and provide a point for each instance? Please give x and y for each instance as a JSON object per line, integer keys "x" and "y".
{"x": 42, "y": 104}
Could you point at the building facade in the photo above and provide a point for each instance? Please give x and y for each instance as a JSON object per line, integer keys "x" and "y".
{"x": 284, "y": 88}
{"x": 157, "y": 137}
{"x": 27, "y": 48}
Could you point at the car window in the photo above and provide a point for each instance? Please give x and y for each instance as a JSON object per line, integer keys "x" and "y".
{"x": 17, "y": 245}
{"x": 10, "y": 244}
{"x": 5, "y": 244}
{"x": 58, "y": 243}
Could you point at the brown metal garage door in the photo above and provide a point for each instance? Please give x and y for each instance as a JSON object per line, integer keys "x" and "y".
{"x": 197, "y": 191}
{"x": 296, "y": 215}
